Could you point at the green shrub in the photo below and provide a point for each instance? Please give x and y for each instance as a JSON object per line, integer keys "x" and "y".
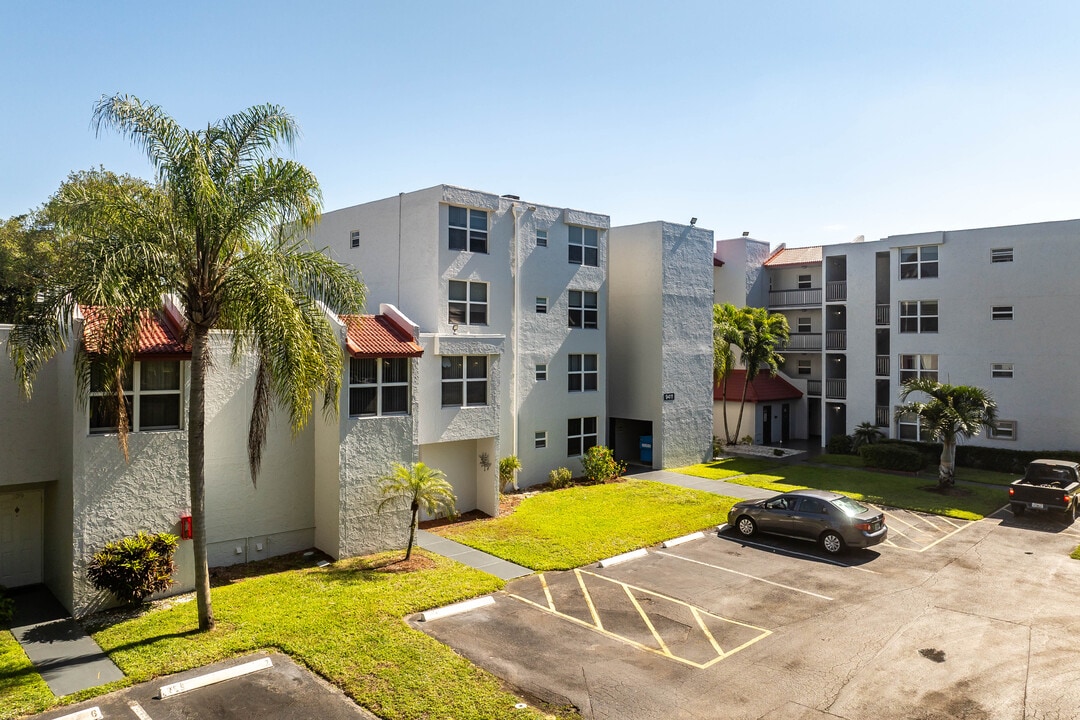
{"x": 7, "y": 607}
{"x": 892, "y": 456}
{"x": 839, "y": 445}
{"x": 746, "y": 440}
{"x": 135, "y": 567}
{"x": 600, "y": 464}
{"x": 507, "y": 467}
{"x": 560, "y": 478}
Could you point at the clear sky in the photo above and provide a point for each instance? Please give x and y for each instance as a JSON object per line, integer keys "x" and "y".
{"x": 801, "y": 122}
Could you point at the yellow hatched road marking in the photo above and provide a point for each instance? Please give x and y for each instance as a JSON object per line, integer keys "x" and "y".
{"x": 648, "y": 622}
{"x": 547, "y": 592}
{"x": 904, "y": 522}
{"x": 701, "y": 624}
{"x": 588, "y": 600}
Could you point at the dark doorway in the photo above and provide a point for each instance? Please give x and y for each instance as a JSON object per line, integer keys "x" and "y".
{"x": 626, "y": 436}
{"x": 785, "y": 422}
{"x": 766, "y": 424}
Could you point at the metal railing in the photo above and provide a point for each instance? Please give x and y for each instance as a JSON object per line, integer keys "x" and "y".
{"x": 803, "y": 341}
{"x": 836, "y": 339}
{"x": 881, "y": 314}
{"x": 882, "y": 366}
{"x": 836, "y": 290}
{"x": 795, "y": 298}
{"x": 813, "y": 387}
{"x": 881, "y": 416}
{"x": 836, "y": 388}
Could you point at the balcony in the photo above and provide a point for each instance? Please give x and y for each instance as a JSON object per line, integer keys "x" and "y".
{"x": 881, "y": 416}
{"x": 836, "y": 388}
{"x": 882, "y": 366}
{"x": 802, "y": 342}
{"x": 795, "y": 298}
{"x": 881, "y": 315}
{"x": 813, "y": 388}
{"x": 836, "y": 339}
{"x": 836, "y": 290}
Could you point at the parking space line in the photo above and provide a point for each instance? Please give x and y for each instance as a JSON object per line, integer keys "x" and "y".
{"x": 701, "y": 624}
{"x": 785, "y": 551}
{"x": 648, "y": 622}
{"x": 745, "y": 575}
{"x": 893, "y": 529}
{"x": 900, "y": 520}
{"x": 547, "y": 591}
{"x": 588, "y": 600}
{"x": 925, "y": 520}
{"x": 138, "y": 710}
{"x": 945, "y": 537}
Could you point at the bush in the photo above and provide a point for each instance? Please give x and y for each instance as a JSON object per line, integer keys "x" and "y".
{"x": 600, "y": 464}
{"x": 560, "y": 478}
{"x": 135, "y": 567}
{"x": 892, "y": 456}
{"x": 7, "y": 607}
{"x": 507, "y": 467}
{"x": 839, "y": 445}
{"x": 746, "y": 440}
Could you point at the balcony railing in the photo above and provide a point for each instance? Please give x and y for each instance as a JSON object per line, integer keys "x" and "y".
{"x": 803, "y": 341}
{"x": 836, "y": 339}
{"x": 882, "y": 314}
{"x": 795, "y": 298}
{"x": 813, "y": 388}
{"x": 836, "y": 388}
{"x": 881, "y": 416}
{"x": 882, "y": 366}
{"x": 836, "y": 290}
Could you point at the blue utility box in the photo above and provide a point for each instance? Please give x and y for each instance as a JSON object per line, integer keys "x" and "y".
{"x": 645, "y": 443}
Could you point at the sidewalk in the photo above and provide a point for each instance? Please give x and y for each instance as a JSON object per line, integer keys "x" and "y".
{"x": 716, "y": 487}
{"x": 468, "y": 556}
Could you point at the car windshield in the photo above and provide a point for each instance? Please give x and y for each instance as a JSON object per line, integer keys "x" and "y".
{"x": 849, "y": 507}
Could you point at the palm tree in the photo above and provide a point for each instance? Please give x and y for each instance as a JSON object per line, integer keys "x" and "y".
{"x": 760, "y": 337}
{"x": 219, "y": 231}
{"x": 865, "y": 434}
{"x": 953, "y": 411}
{"x": 728, "y": 322}
{"x": 422, "y": 487}
{"x": 507, "y": 467}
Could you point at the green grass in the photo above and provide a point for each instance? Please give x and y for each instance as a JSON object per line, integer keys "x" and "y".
{"x": 343, "y": 621}
{"x": 1075, "y": 553}
{"x": 568, "y": 528}
{"x": 836, "y": 459}
{"x": 988, "y": 477}
{"x": 968, "y": 502}
{"x": 730, "y": 467}
{"x": 22, "y": 691}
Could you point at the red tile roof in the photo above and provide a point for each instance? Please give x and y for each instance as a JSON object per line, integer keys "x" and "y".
{"x": 378, "y": 336}
{"x": 795, "y": 256}
{"x": 159, "y": 336}
{"x": 763, "y": 388}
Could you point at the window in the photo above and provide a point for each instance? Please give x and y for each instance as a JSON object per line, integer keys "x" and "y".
{"x": 1001, "y": 312}
{"x": 1003, "y": 430}
{"x": 804, "y": 282}
{"x": 540, "y": 440}
{"x": 583, "y": 312}
{"x": 919, "y": 262}
{"x": 804, "y": 367}
{"x": 1001, "y": 370}
{"x": 582, "y": 373}
{"x": 541, "y": 305}
{"x": 541, "y": 238}
{"x": 919, "y": 316}
{"x": 804, "y": 325}
{"x": 580, "y": 435}
{"x": 908, "y": 427}
{"x": 152, "y": 394}
{"x": 468, "y": 229}
{"x": 918, "y": 366}
{"x": 354, "y": 239}
{"x": 464, "y": 380}
{"x": 1001, "y": 255}
{"x": 541, "y": 372}
{"x": 584, "y": 246}
{"x": 468, "y": 302}
{"x": 378, "y": 386}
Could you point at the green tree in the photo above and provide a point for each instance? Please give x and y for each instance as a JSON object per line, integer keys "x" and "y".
{"x": 507, "y": 467}
{"x": 27, "y": 245}
{"x": 421, "y": 487}
{"x": 728, "y": 324}
{"x": 952, "y": 412}
{"x": 219, "y": 230}
{"x": 760, "y": 336}
{"x": 865, "y": 434}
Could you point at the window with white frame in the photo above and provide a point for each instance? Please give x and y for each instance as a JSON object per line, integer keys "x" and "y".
{"x": 468, "y": 302}
{"x": 464, "y": 380}
{"x": 908, "y": 427}
{"x": 584, "y": 246}
{"x": 804, "y": 367}
{"x": 913, "y": 367}
{"x": 541, "y": 238}
{"x": 354, "y": 239}
{"x": 378, "y": 386}
{"x": 540, "y": 439}
{"x": 919, "y": 262}
{"x": 582, "y": 373}
{"x": 541, "y": 372}
{"x": 468, "y": 229}
{"x": 803, "y": 325}
{"x": 1001, "y": 312}
{"x": 1003, "y": 430}
{"x": 580, "y": 435}
{"x": 918, "y": 316}
{"x": 1001, "y": 370}
{"x": 582, "y": 310}
{"x": 152, "y": 395}
{"x": 541, "y": 305}
{"x": 1001, "y": 255}
{"x": 805, "y": 282}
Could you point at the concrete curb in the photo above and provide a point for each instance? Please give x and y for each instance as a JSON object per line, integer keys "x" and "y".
{"x": 456, "y": 608}
{"x": 625, "y": 557}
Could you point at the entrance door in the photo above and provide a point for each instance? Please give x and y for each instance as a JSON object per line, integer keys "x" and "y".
{"x": 785, "y": 422}
{"x": 766, "y": 424}
{"x": 20, "y": 538}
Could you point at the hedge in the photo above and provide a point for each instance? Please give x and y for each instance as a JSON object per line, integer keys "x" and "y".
{"x": 892, "y": 456}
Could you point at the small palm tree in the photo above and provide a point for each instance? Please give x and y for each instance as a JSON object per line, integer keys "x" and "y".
{"x": 761, "y": 336}
{"x": 420, "y": 486}
{"x": 953, "y": 411}
{"x": 865, "y": 434}
{"x": 507, "y": 467}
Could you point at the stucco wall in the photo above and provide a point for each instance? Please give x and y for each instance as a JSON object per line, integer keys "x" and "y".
{"x": 30, "y": 452}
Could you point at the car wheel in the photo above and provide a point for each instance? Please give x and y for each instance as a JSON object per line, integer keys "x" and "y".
{"x": 1072, "y": 511}
{"x": 831, "y": 542}
{"x": 1018, "y": 509}
{"x": 746, "y": 526}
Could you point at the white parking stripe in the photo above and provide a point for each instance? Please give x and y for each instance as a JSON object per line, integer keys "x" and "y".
{"x": 742, "y": 574}
{"x": 138, "y": 710}
{"x": 772, "y": 549}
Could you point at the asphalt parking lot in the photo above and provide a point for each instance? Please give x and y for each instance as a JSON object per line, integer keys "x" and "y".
{"x": 949, "y": 619}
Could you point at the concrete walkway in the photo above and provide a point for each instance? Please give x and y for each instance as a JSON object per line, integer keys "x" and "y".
{"x": 68, "y": 659}
{"x": 468, "y": 556}
{"x": 716, "y": 487}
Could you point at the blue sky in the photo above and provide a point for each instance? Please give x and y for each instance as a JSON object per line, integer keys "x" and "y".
{"x": 800, "y": 122}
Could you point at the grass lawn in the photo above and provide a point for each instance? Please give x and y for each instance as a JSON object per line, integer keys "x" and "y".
{"x": 988, "y": 477}
{"x": 730, "y": 467}
{"x": 568, "y": 528}
{"x": 343, "y": 621}
{"x": 1076, "y": 553}
{"x": 22, "y": 691}
{"x": 968, "y": 502}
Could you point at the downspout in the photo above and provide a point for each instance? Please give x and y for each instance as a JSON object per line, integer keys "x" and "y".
{"x": 398, "y": 301}
{"x": 516, "y": 320}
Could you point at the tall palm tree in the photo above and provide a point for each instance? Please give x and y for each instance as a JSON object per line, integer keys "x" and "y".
{"x": 953, "y": 411}
{"x": 218, "y": 230}
{"x": 422, "y": 487}
{"x": 728, "y": 322}
{"x": 760, "y": 338}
